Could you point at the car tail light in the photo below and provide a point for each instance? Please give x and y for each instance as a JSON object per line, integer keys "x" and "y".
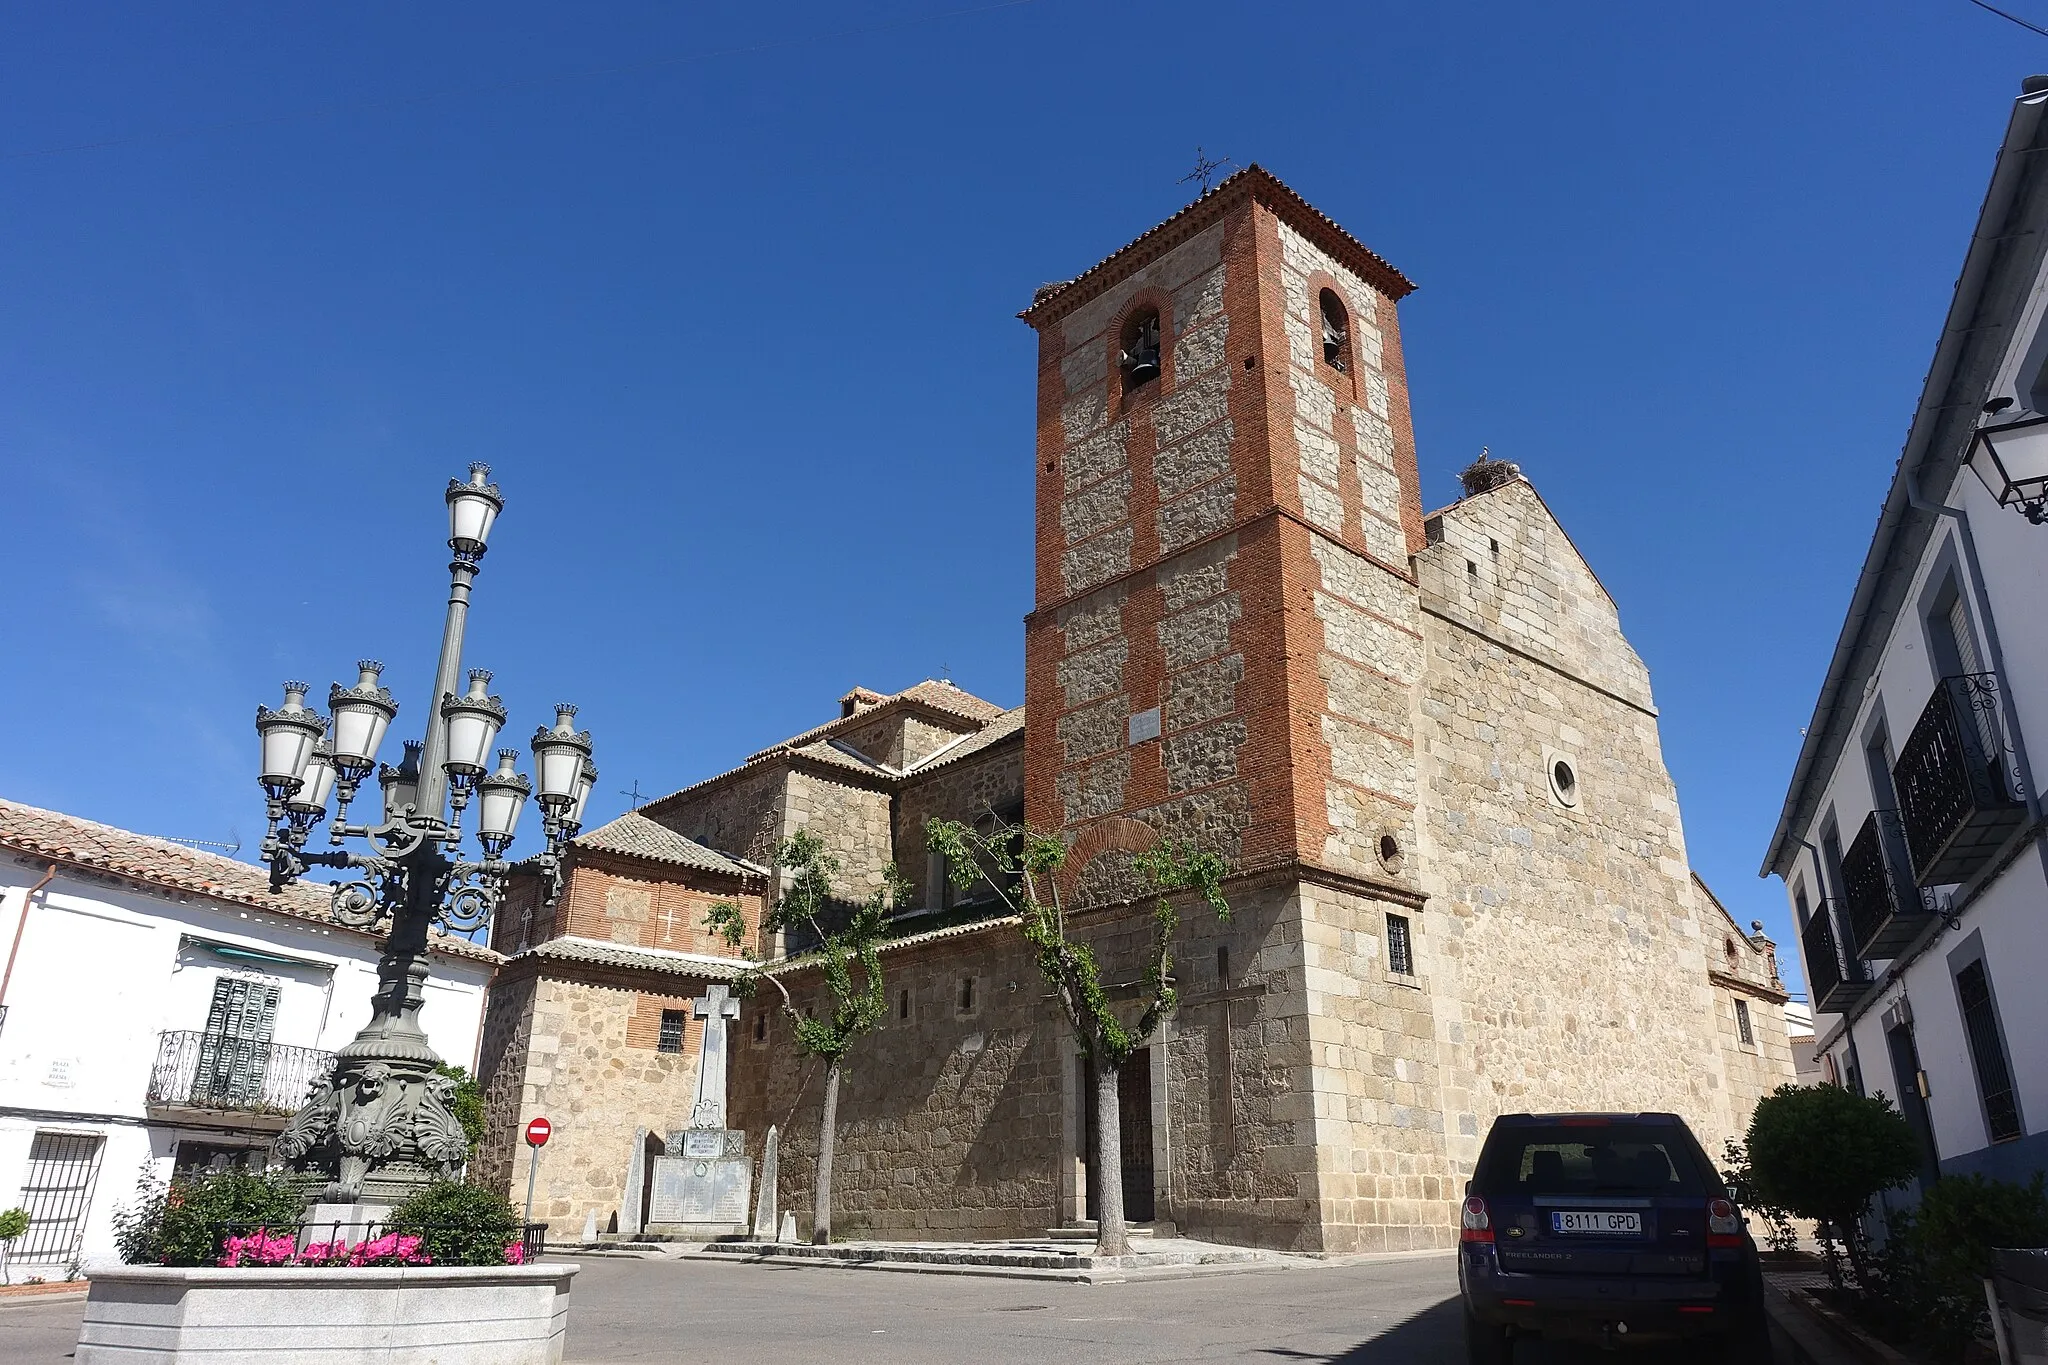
{"x": 1476, "y": 1225}
{"x": 1695, "y": 1308}
{"x": 1724, "y": 1224}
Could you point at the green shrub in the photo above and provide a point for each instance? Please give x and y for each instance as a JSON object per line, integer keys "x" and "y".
{"x": 1939, "y": 1254}
{"x": 1820, "y": 1152}
{"x": 1779, "y": 1234}
{"x": 458, "y": 1223}
{"x": 199, "y": 1212}
{"x": 13, "y": 1223}
{"x": 139, "y": 1223}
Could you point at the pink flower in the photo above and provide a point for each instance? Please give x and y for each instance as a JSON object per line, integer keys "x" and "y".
{"x": 515, "y": 1253}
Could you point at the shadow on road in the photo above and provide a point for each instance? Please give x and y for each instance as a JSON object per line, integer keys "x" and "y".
{"x": 1438, "y": 1334}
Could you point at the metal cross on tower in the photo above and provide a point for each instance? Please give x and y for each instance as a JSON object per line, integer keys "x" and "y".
{"x": 1205, "y": 170}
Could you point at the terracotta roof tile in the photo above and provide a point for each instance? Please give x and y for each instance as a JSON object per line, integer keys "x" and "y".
{"x": 637, "y": 836}
{"x": 599, "y": 953}
{"x": 71, "y": 841}
{"x": 1055, "y": 300}
{"x": 1005, "y": 726}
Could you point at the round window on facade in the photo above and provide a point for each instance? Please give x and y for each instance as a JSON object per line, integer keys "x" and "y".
{"x": 1564, "y": 780}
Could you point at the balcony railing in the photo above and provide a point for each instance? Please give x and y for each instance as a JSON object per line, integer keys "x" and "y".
{"x": 1836, "y": 976}
{"x": 1959, "y": 791}
{"x": 197, "y": 1070}
{"x": 1885, "y": 909}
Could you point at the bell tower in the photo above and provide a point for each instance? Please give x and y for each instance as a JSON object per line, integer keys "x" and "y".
{"x": 1226, "y": 640}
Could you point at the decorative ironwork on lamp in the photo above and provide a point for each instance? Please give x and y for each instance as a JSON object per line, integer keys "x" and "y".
{"x": 377, "y": 1125}
{"x": 2012, "y": 460}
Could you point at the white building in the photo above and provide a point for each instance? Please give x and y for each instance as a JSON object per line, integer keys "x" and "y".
{"x": 162, "y": 1008}
{"x": 1911, "y": 840}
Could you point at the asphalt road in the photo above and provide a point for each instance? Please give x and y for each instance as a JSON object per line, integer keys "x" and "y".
{"x": 1385, "y": 1313}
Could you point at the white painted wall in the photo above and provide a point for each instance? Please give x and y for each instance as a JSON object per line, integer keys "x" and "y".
{"x": 104, "y": 969}
{"x": 2011, "y": 912}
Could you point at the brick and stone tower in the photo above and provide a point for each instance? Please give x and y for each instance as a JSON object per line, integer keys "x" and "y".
{"x": 1225, "y": 642}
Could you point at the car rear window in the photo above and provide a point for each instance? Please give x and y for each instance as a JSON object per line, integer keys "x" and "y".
{"x": 1616, "y": 1159}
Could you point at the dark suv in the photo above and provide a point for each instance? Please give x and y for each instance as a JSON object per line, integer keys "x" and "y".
{"x": 1611, "y": 1228}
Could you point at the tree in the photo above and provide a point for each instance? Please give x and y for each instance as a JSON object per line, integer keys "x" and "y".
{"x": 845, "y": 939}
{"x": 13, "y": 1224}
{"x": 1020, "y": 866}
{"x": 1820, "y": 1152}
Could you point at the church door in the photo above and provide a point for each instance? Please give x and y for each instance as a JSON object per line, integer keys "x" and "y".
{"x": 1134, "y": 1122}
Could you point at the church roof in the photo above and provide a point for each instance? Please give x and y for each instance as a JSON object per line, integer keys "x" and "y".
{"x": 1005, "y": 726}
{"x": 636, "y": 836}
{"x": 1254, "y": 181}
{"x": 601, "y": 953}
{"x": 161, "y": 865}
{"x": 934, "y": 697}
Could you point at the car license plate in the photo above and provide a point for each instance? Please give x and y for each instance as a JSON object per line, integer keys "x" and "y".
{"x": 1607, "y": 1222}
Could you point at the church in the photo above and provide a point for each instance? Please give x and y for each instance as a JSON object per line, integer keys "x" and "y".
{"x": 1459, "y": 883}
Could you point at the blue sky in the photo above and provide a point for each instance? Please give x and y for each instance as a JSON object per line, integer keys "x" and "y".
{"x": 725, "y": 295}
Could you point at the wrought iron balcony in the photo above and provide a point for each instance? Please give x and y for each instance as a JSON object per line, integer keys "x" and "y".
{"x": 211, "y": 1071}
{"x": 1884, "y": 907}
{"x": 1834, "y": 974}
{"x": 1959, "y": 793}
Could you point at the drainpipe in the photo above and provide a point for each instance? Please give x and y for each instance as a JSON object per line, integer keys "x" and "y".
{"x": 20, "y": 926}
{"x": 1983, "y": 603}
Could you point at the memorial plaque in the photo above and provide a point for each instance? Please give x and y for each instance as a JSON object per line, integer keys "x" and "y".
{"x": 688, "y": 1191}
{"x": 704, "y": 1144}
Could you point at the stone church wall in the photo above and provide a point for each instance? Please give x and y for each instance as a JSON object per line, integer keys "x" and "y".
{"x": 949, "y": 1119}
{"x": 646, "y": 906}
{"x": 742, "y": 816}
{"x": 582, "y": 1054}
{"x": 854, "y": 823}
{"x": 1566, "y": 941}
{"x": 990, "y": 779}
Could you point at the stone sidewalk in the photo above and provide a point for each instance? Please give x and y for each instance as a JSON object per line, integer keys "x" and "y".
{"x": 1024, "y": 1258}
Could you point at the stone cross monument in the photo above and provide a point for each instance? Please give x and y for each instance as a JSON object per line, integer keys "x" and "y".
{"x": 702, "y": 1183}
{"x": 714, "y": 1008}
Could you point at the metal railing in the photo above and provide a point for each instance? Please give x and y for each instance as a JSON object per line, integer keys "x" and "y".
{"x": 199, "y": 1070}
{"x": 1885, "y": 908}
{"x": 1957, "y": 781}
{"x": 1836, "y": 976}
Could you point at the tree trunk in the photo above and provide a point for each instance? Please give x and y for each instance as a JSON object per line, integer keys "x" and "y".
{"x": 1112, "y": 1238}
{"x": 821, "y": 1209}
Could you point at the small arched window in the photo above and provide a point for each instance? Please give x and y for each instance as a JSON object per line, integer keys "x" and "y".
{"x": 1138, "y": 357}
{"x": 1336, "y": 332}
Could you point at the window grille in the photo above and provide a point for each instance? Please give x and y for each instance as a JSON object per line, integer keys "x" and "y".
{"x": 1987, "y": 1050}
{"x": 62, "y": 1169}
{"x": 1743, "y": 1028}
{"x": 1400, "y": 947}
{"x": 673, "y": 1023}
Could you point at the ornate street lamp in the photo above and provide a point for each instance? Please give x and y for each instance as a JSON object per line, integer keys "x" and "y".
{"x": 378, "y": 1125}
{"x": 2012, "y": 460}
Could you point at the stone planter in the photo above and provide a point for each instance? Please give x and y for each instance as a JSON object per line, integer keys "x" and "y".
{"x": 446, "y": 1315}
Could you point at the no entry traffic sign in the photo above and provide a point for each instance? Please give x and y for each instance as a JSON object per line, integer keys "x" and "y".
{"x": 538, "y": 1132}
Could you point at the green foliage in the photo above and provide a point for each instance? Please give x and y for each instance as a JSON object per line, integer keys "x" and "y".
{"x": 1820, "y": 1152}
{"x": 1779, "y": 1234}
{"x": 467, "y": 1103}
{"x": 846, "y": 939}
{"x": 1936, "y": 1257}
{"x": 200, "y": 1211}
{"x": 139, "y": 1223}
{"x": 13, "y": 1223}
{"x": 458, "y": 1223}
{"x": 1020, "y": 866}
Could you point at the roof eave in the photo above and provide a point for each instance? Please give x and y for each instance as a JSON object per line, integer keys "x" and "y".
{"x": 1253, "y": 182}
{"x": 1831, "y": 712}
